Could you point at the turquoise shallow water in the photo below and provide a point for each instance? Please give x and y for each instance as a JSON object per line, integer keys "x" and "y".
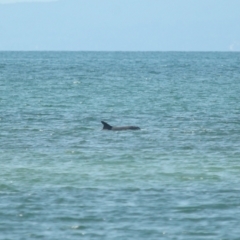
{"x": 63, "y": 178}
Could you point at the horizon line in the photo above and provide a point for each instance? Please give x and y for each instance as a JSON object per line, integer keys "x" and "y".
{"x": 228, "y": 51}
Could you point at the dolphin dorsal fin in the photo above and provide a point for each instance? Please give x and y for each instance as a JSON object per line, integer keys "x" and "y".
{"x": 106, "y": 126}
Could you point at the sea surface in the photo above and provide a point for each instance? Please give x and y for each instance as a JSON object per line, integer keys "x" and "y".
{"x": 62, "y": 177}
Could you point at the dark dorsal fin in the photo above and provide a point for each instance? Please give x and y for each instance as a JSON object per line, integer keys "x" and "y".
{"x": 106, "y": 126}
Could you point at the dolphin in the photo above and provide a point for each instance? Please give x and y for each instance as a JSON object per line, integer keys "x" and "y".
{"x": 106, "y": 126}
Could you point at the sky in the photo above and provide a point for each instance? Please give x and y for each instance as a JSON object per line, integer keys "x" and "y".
{"x": 119, "y": 25}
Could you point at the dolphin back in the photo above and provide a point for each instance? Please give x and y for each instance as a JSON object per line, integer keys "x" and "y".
{"x": 125, "y": 128}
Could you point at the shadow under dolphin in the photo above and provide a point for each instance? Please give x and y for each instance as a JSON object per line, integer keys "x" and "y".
{"x": 106, "y": 126}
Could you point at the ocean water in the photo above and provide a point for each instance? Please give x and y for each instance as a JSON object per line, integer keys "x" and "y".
{"x": 62, "y": 177}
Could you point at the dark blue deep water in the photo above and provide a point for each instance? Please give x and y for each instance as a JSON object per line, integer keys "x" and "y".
{"x": 61, "y": 177}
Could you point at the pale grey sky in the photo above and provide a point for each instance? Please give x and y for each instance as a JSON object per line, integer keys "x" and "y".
{"x": 120, "y": 25}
